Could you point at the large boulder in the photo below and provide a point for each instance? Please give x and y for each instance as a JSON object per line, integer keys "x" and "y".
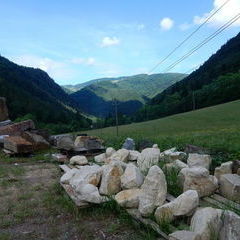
{"x": 65, "y": 142}
{"x": 129, "y": 144}
{"x": 79, "y": 160}
{"x": 110, "y": 151}
{"x": 3, "y": 109}
{"x": 235, "y": 166}
{"x": 184, "y": 235}
{"x": 101, "y": 158}
{"x": 128, "y": 198}
{"x": 199, "y": 160}
{"x": 132, "y": 177}
{"x": 171, "y": 155}
{"x": 86, "y": 174}
{"x": 148, "y": 158}
{"x": 17, "y": 144}
{"x": 231, "y": 226}
{"x": 184, "y": 204}
{"x": 198, "y": 179}
{"x": 133, "y": 155}
{"x": 111, "y": 179}
{"x": 88, "y": 143}
{"x": 230, "y": 186}
{"x": 17, "y": 129}
{"x": 207, "y": 222}
{"x": 154, "y": 191}
{"x": 38, "y": 142}
{"x": 66, "y": 177}
{"x": 120, "y": 155}
{"x": 225, "y": 168}
{"x": 89, "y": 193}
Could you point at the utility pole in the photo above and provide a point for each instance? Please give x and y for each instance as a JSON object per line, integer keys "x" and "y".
{"x": 193, "y": 100}
{"x": 115, "y": 104}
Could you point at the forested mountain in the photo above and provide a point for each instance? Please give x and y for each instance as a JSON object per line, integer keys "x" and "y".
{"x": 216, "y": 81}
{"x": 32, "y": 92}
{"x": 130, "y": 92}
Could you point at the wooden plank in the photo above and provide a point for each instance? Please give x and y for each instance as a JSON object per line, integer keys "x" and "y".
{"x": 226, "y": 201}
{"x": 134, "y": 213}
{"x": 64, "y": 167}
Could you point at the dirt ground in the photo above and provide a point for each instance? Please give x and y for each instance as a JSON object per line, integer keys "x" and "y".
{"x": 34, "y": 206}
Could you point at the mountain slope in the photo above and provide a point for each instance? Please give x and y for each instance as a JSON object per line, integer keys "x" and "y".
{"x": 218, "y": 76}
{"x": 131, "y": 93}
{"x": 30, "y": 90}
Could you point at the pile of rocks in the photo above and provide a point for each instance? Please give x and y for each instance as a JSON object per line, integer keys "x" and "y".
{"x": 22, "y": 137}
{"x": 135, "y": 180}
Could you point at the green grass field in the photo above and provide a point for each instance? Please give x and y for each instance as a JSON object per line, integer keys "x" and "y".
{"x": 216, "y": 128}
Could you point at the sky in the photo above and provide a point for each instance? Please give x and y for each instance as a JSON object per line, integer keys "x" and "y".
{"x": 75, "y": 41}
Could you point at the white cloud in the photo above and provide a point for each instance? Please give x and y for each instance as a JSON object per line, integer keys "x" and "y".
{"x": 166, "y": 23}
{"x": 226, "y": 13}
{"x": 185, "y": 26}
{"x": 110, "y": 41}
{"x": 56, "y": 69}
{"x": 85, "y": 61}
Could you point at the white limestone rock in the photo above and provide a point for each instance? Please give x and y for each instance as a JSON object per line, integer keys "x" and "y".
{"x": 66, "y": 177}
{"x": 111, "y": 179}
{"x": 79, "y": 160}
{"x": 199, "y": 160}
{"x": 132, "y": 177}
{"x": 184, "y": 204}
{"x": 148, "y": 158}
{"x": 110, "y": 151}
{"x": 207, "y": 222}
{"x": 128, "y": 198}
{"x": 230, "y": 186}
{"x": 153, "y": 191}
{"x": 89, "y": 193}
{"x": 86, "y": 174}
{"x": 120, "y": 155}
{"x": 101, "y": 158}
{"x": 184, "y": 235}
{"x": 225, "y": 168}
{"x": 133, "y": 155}
{"x": 198, "y": 179}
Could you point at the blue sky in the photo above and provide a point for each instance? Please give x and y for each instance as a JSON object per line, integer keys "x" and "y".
{"x": 75, "y": 41}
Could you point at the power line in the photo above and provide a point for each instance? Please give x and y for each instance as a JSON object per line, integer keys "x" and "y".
{"x": 188, "y": 37}
{"x": 205, "y": 41}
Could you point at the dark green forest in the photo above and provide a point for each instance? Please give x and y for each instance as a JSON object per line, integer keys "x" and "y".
{"x": 216, "y": 81}
{"x": 31, "y": 93}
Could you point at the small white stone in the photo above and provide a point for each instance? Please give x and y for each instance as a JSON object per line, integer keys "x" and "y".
{"x": 79, "y": 160}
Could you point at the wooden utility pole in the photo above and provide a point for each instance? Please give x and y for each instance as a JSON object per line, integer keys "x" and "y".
{"x": 193, "y": 100}
{"x": 115, "y": 104}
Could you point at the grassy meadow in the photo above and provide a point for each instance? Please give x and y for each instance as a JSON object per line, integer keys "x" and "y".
{"x": 216, "y": 128}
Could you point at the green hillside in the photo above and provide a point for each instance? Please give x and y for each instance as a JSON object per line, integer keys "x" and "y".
{"x": 216, "y": 128}
{"x": 131, "y": 92}
{"x": 31, "y": 93}
{"x": 215, "y": 82}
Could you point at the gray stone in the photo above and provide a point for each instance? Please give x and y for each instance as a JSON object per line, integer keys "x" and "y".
{"x": 184, "y": 204}
{"x": 101, "y": 158}
{"x": 58, "y": 157}
{"x": 184, "y": 235}
{"x": 129, "y": 144}
{"x": 198, "y": 179}
{"x": 111, "y": 179}
{"x": 65, "y": 142}
{"x": 235, "y": 166}
{"x": 199, "y": 160}
{"x": 207, "y": 222}
{"x": 133, "y": 155}
{"x": 225, "y": 168}
{"x": 154, "y": 191}
{"x": 17, "y": 144}
{"x": 79, "y": 160}
{"x": 120, "y": 155}
{"x": 66, "y": 177}
{"x": 148, "y": 158}
{"x": 132, "y": 177}
{"x": 230, "y": 186}
{"x": 231, "y": 226}
{"x": 110, "y": 151}
{"x": 128, "y": 198}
